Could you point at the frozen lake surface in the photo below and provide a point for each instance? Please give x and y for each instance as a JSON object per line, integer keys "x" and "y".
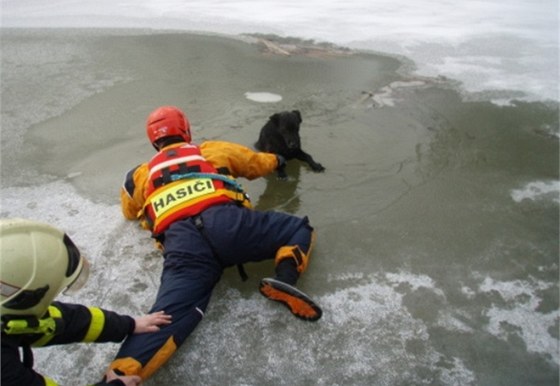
{"x": 437, "y": 216}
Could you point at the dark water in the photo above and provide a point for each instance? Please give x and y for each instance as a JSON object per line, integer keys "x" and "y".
{"x": 437, "y": 219}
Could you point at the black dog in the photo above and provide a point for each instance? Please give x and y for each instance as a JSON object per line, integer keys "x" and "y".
{"x": 280, "y": 135}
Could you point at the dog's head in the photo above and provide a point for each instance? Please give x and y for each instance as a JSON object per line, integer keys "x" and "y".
{"x": 288, "y": 123}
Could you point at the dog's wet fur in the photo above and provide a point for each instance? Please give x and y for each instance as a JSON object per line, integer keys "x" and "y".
{"x": 280, "y": 135}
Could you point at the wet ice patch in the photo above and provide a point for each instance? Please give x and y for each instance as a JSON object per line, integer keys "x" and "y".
{"x": 57, "y": 203}
{"x": 375, "y": 311}
{"x": 413, "y": 280}
{"x": 468, "y": 292}
{"x": 521, "y": 311}
{"x": 263, "y": 97}
{"x": 457, "y": 374}
{"x": 454, "y": 321}
{"x": 538, "y": 190}
{"x": 364, "y": 337}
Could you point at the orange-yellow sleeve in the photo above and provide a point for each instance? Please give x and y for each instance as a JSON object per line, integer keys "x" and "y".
{"x": 132, "y": 192}
{"x": 240, "y": 160}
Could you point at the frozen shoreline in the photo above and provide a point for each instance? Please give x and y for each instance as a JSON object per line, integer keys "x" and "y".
{"x": 498, "y": 51}
{"x": 477, "y": 76}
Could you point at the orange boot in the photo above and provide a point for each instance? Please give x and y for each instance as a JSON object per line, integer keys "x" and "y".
{"x": 297, "y": 302}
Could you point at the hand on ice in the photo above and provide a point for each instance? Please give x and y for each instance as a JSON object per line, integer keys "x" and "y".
{"x": 128, "y": 380}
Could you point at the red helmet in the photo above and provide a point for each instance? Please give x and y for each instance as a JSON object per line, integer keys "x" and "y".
{"x": 167, "y": 121}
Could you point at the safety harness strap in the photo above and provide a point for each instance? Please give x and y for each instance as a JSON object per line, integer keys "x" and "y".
{"x": 168, "y": 176}
{"x": 229, "y": 181}
{"x": 242, "y": 272}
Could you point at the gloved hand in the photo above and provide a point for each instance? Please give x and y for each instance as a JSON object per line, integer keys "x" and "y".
{"x": 280, "y": 169}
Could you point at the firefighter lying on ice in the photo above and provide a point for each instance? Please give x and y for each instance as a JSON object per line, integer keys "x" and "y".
{"x": 186, "y": 195}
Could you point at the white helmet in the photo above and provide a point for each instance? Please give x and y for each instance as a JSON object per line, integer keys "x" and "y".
{"x": 37, "y": 262}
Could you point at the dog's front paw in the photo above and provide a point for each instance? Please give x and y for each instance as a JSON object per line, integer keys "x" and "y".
{"x": 318, "y": 168}
{"x": 281, "y": 175}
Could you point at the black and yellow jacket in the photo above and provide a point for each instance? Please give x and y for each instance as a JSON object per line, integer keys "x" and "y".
{"x": 64, "y": 323}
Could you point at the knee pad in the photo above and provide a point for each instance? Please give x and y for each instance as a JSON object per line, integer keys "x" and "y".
{"x": 295, "y": 252}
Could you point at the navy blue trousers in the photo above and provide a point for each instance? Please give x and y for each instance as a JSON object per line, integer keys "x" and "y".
{"x": 192, "y": 267}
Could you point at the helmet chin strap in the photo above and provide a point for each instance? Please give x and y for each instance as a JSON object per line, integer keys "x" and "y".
{"x": 166, "y": 141}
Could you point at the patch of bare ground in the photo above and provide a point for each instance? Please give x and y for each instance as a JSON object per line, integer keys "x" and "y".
{"x": 275, "y": 45}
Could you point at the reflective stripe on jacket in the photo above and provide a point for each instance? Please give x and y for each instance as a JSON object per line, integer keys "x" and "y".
{"x": 74, "y": 323}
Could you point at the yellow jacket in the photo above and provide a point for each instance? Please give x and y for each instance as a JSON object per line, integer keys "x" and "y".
{"x": 239, "y": 160}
